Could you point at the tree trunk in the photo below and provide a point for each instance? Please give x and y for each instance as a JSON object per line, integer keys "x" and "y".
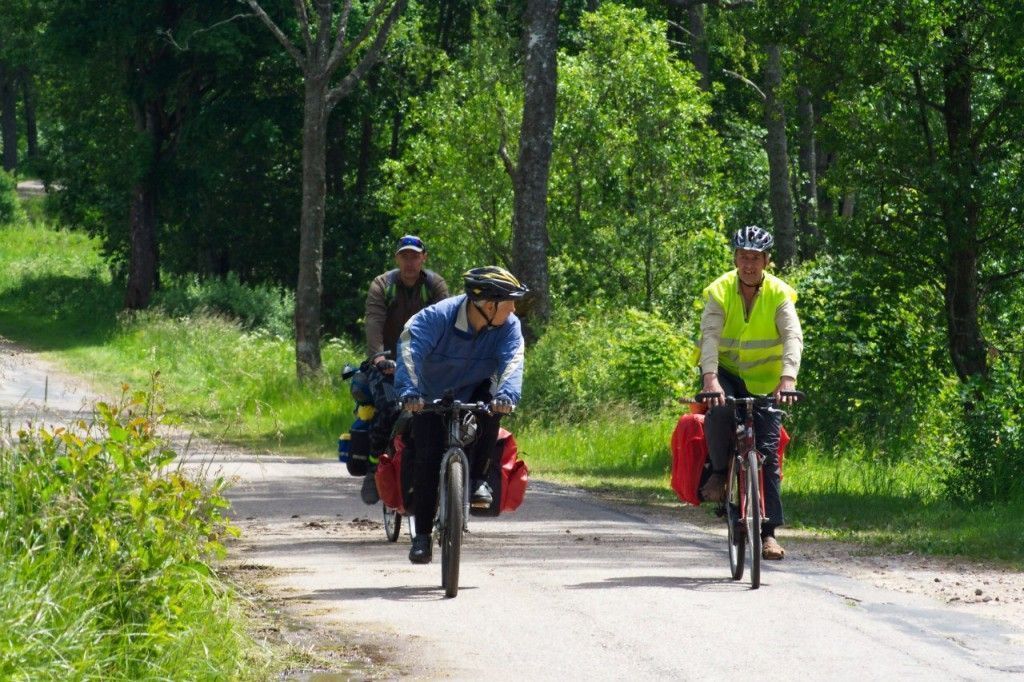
{"x": 365, "y": 157}
{"x": 311, "y": 230}
{"x": 809, "y": 235}
{"x": 28, "y": 96}
{"x": 529, "y": 221}
{"x": 699, "y": 45}
{"x": 780, "y": 196}
{"x": 8, "y": 116}
{"x": 961, "y": 210}
{"x": 143, "y": 244}
{"x": 142, "y": 263}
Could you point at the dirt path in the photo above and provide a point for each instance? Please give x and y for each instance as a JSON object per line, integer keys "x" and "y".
{"x": 571, "y": 587}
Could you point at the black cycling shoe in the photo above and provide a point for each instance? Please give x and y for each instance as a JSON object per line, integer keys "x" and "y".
{"x": 369, "y": 490}
{"x": 421, "y": 550}
{"x": 481, "y": 496}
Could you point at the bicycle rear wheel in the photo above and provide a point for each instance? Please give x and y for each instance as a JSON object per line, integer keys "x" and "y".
{"x": 733, "y": 504}
{"x": 451, "y": 536}
{"x": 753, "y": 517}
{"x": 392, "y": 523}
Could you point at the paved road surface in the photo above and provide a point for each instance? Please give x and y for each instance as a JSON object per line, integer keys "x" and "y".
{"x": 571, "y": 588}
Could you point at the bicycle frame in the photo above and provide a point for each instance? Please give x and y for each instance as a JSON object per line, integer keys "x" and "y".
{"x": 745, "y": 442}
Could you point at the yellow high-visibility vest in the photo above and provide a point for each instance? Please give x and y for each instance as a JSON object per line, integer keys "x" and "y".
{"x": 751, "y": 348}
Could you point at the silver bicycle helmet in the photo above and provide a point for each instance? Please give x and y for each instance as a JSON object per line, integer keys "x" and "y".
{"x": 752, "y": 238}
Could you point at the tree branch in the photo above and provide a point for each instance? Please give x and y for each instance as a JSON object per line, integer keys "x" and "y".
{"x": 281, "y": 37}
{"x": 169, "y": 37}
{"x": 995, "y": 279}
{"x": 749, "y": 82}
{"x": 340, "y": 51}
{"x": 510, "y": 167}
{"x": 307, "y": 37}
{"x": 342, "y": 31}
{"x": 369, "y": 57}
{"x": 921, "y": 102}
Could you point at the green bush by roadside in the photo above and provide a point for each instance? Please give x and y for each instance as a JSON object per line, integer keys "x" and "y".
{"x": 10, "y": 208}
{"x": 258, "y": 306}
{"x": 624, "y": 357}
{"x": 105, "y": 550}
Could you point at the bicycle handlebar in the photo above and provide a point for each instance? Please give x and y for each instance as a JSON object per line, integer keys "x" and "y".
{"x": 443, "y": 406}
{"x": 755, "y": 399}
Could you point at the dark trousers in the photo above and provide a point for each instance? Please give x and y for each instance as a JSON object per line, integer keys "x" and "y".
{"x": 720, "y": 431}
{"x": 430, "y": 432}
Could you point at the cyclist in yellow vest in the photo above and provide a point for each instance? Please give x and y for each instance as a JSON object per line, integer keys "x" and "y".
{"x": 751, "y": 343}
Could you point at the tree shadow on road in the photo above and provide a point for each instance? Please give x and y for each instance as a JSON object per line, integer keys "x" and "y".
{"x": 672, "y": 581}
{"x": 406, "y": 593}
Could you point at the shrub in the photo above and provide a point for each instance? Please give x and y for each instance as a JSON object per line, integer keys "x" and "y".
{"x": 989, "y": 459}
{"x": 628, "y": 357}
{"x": 104, "y": 556}
{"x": 10, "y": 207}
{"x": 260, "y": 306}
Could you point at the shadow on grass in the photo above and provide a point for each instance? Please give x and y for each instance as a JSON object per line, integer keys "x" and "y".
{"x": 56, "y": 312}
{"x": 912, "y": 523}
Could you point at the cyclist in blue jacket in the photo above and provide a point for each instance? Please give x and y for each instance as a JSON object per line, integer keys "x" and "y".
{"x": 471, "y": 345}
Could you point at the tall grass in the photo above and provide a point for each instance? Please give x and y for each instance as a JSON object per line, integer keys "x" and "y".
{"x": 104, "y": 551}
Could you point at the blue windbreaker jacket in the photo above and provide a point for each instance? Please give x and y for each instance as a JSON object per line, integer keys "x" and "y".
{"x": 438, "y": 350}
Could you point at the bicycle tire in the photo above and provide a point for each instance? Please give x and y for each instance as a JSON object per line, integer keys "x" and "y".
{"x": 451, "y": 537}
{"x": 392, "y": 523}
{"x": 733, "y": 505}
{"x": 754, "y": 517}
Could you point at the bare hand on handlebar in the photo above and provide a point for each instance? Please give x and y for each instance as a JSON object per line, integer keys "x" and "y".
{"x": 412, "y": 405}
{"x": 785, "y": 392}
{"x": 711, "y": 385}
{"x": 502, "y": 406}
{"x": 384, "y": 364}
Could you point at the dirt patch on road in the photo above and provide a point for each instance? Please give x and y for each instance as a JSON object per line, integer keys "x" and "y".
{"x": 976, "y": 587}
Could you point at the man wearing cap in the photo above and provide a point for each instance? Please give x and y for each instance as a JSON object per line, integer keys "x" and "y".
{"x": 393, "y": 298}
{"x": 397, "y": 295}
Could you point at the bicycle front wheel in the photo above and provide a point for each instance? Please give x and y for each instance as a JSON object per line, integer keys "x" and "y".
{"x": 753, "y": 517}
{"x": 451, "y": 536}
{"x": 733, "y": 505}
{"x": 392, "y": 523}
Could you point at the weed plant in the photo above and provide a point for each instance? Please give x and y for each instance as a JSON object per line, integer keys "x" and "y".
{"x": 105, "y": 544}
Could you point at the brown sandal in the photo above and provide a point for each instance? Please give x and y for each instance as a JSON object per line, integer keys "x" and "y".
{"x": 771, "y": 549}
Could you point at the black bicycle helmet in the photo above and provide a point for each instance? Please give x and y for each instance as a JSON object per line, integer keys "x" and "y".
{"x": 491, "y": 283}
{"x": 752, "y": 238}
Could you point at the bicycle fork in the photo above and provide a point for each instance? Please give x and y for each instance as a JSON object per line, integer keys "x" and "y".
{"x": 442, "y": 500}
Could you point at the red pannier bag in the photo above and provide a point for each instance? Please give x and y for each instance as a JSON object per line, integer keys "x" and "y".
{"x": 514, "y": 473}
{"x": 389, "y": 476}
{"x": 690, "y": 454}
{"x": 509, "y": 480}
{"x": 508, "y": 477}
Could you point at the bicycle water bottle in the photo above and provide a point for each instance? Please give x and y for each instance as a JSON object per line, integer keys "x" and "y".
{"x": 344, "y": 447}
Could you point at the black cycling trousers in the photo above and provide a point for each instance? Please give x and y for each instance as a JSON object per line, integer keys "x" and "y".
{"x": 719, "y": 431}
{"x": 430, "y": 432}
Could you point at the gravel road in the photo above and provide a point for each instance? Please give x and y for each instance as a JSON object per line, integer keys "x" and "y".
{"x": 570, "y": 587}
